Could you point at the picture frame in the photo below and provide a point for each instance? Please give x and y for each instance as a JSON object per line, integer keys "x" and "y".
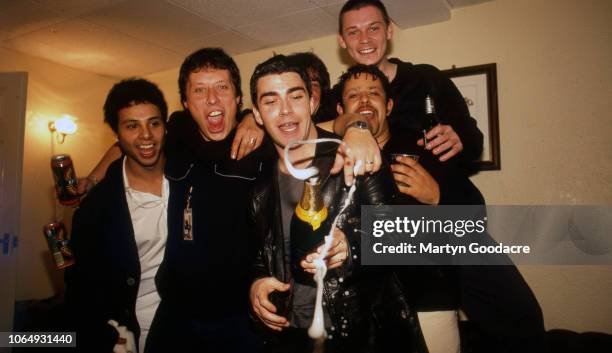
{"x": 478, "y": 85}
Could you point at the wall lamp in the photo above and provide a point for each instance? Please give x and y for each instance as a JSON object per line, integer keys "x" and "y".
{"x": 62, "y": 127}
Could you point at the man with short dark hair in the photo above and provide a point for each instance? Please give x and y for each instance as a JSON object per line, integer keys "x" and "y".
{"x": 204, "y": 279}
{"x": 364, "y": 90}
{"x": 280, "y": 91}
{"x": 364, "y": 31}
{"x": 496, "y": 299}
{"x": 119, "y": 231}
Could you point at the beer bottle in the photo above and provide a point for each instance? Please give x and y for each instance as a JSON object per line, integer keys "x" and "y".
{"x": 309, "y": 226}
{"x": 430, "y": 118}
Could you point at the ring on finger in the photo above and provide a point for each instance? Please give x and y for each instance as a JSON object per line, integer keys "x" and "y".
{"x": 252, "y": 141}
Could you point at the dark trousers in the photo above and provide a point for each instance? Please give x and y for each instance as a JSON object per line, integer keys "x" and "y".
{"x": 294, "y": 340}
{"x": 502, "y": 309}
{"x": 175, "y": 331}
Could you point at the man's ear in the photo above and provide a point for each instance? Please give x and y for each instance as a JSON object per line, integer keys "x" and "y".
{"x": 341, "y": 42}
{"x": 339, "y": 109}
{"x": 389, "y": 31}
{"x": 389, "y": 106}
{"x": 257, "y": 116}
{"x": 312, "y": 104}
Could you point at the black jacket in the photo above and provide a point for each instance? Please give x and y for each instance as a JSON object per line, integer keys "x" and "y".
{"x": 408, "y": 90}
{"x": 503, "y": 312}
{"x": 103, "y": 283}
{"x": 204, "y": 282}
{"x": 221, "y": 250}
{"x": 437, "y": 287}
{"x": 349, "y": 301}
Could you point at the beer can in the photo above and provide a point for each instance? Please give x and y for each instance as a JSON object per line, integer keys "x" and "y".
{"x": 59, "y": 244}
{"x": 65, "y": 180}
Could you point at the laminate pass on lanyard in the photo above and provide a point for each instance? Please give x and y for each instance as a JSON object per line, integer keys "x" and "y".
{"x": 188, "y": 218}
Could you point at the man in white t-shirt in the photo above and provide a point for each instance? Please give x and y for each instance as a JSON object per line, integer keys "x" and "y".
{"x": 119, "y": 232}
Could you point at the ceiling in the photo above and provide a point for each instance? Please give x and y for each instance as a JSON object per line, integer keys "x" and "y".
{"x": 137, "y": 37}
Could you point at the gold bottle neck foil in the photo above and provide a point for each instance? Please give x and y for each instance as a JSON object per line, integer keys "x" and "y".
{"x": 311, "y": 208}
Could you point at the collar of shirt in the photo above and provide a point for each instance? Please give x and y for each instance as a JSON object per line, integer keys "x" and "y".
{"x": 139, "y": 199}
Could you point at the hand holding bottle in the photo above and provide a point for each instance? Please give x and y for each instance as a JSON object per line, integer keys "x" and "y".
{"x": 336, "y": 256}
{"x": 440, "y": 139}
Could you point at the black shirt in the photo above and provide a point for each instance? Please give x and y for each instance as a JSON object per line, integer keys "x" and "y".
{"x": 209, "y": 275}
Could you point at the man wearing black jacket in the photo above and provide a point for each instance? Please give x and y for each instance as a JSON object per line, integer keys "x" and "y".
{"x": 496, "y": 299}
{"x": 365, "y": 31}
{"x": 203, "y": 280}
{"x": 119, "y": 232}
{"x": 280, "y": 91}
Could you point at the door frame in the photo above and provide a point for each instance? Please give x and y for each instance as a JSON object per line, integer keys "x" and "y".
{"x": 10, "y": 188}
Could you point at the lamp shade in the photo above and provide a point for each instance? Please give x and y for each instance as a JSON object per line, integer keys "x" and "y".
{"x": 65, "y": 125}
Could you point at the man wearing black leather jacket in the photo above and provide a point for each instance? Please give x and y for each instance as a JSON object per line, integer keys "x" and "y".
{"x": 503, "y": 311}
{"x": 280, "y": 92}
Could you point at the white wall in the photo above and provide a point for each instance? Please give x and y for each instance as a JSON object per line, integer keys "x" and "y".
{"x": 53, "y": 90}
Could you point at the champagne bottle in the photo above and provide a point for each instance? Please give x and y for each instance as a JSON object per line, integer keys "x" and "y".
{"x": 430, "y": 118}
{"x": 309, "y": 226}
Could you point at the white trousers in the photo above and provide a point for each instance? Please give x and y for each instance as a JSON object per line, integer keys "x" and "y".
{"x": 441, "y": 331}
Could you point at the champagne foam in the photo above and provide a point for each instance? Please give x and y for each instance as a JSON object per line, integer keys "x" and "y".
{"x": 317, "y": 328}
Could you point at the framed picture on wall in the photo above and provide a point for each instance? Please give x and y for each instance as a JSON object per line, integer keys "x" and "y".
{"x": 478, "y": 85}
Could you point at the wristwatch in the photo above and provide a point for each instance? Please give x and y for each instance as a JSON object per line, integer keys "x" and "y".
{"x": 360, "y": 124}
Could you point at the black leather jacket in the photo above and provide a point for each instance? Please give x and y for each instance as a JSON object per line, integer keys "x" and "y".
{"x": 350, "y": 292}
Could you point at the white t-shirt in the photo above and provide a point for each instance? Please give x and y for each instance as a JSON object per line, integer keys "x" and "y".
{"x": 149, "y": 220}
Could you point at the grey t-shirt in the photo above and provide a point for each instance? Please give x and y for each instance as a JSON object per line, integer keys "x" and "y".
{"x": 304, "y": 296}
